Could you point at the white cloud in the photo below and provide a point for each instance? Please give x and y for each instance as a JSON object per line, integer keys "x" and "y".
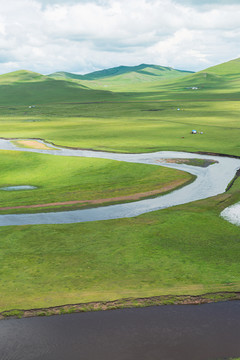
{"x": 82, "y": 36}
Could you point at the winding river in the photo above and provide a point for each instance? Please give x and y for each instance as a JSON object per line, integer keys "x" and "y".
{"x": 210, "y": 181}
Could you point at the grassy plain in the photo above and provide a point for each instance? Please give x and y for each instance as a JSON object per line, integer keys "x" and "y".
{"x": 127, "y": 121}
{"x": 187, "y": 249}
{"x": 60, "y": 179}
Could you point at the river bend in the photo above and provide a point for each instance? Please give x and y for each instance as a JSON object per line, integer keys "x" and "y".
{"x": 210, "y": 181}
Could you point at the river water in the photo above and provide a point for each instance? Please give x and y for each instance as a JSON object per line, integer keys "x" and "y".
{"x": 210, "y": 181}
{"x": 173, "y": 332}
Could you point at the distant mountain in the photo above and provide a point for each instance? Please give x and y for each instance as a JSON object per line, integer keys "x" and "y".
{"x": 144, "y": 72}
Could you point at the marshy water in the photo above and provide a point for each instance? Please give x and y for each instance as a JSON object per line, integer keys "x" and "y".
{"x": 173, "y": 332}
{"x": 210, "y": 181}
{"x": 18, "y": 188}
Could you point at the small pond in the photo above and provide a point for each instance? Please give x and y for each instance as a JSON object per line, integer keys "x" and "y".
{"x": 17, "y": 188}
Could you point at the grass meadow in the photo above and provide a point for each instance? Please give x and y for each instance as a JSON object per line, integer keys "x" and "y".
{"x": 133, "y": 125}
{"x": 188, "y": 249}
{"x": 60, "y": 179}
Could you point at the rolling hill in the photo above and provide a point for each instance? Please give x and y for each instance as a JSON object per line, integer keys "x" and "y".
{"x": 224, "y": 77}
{"x": 21, "y": 76}
{"x": 116, "y": 77}
{"x": 25, "y": 88}
{"x": 229, "y": 68}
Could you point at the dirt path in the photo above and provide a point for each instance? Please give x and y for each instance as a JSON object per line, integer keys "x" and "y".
{"x": 172, "y": 185}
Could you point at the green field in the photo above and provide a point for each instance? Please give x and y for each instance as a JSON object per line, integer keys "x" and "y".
{"x": 143, "y": 120}
{"x": 186, "y": 249}
{"x": 61, "y": 179}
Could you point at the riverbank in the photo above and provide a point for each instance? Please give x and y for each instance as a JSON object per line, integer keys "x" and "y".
{"x": 61, "y": 206}
{"x": 78, "y": 181}
{"x": 122, "y": 304}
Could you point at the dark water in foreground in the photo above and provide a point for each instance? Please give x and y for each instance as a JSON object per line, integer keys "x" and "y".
{"x": 190, "y": 332}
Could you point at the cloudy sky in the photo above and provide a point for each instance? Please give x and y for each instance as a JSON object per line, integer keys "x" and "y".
{"x": 85, "y": 35}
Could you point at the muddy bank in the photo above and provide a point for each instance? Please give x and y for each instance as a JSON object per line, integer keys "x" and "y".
{"x": 215, "y": 154}
{"x": 122, "y": 304}
{"x": 233, "y": 180}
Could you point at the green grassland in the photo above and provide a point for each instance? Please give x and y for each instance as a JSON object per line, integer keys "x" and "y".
{"x": 188, "y": 249}
{"x": 60, "y": 179}
{"x": 145, "y": 119}
{"x": 130, "y": 127}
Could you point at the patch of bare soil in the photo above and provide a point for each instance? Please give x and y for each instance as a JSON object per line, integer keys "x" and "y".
{"x": 193, "y": 162}
{"x": 33, "y": 144}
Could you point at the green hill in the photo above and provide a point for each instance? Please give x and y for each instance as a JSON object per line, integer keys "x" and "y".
{"x": 27, "y": 88}
{"x": 66, "y": 75}
{"x": 117, "y": 77}
{"x": 21, "y": 76}
{"x": 143, "y": 69}
{"x": 223, "y": 78}
{"x": 229, "y": 68}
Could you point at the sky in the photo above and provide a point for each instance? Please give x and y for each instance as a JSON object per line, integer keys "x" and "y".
{"x": 82, "y": 36}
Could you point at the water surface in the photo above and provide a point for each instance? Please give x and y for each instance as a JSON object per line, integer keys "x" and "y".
{"x": 182, "y": 332}
{"x": 18, "y": 188}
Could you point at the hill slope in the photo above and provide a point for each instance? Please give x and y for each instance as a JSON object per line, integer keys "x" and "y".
{"x": 21, "y": 76}
{"x": 229, "y": 68}
{"x": 27, "y": 88}
{"x": 224, "y": 77}
{"x": 143, "y": 72}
